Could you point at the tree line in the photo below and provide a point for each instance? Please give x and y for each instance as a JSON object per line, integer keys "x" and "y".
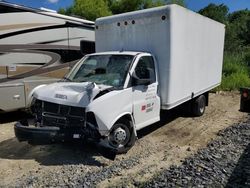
{"x": 237, "y": 26}
{"x": 237, "y": 23}
{"x": 92, "y": 9}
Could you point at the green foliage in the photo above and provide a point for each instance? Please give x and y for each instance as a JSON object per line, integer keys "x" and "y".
{"x": 232, "y": 41}
{"x": 247, "y": 57}
{"x": 88, "y": 9}
{"x": 234, "y": 82}
{"x": 178, "y": 2}
{"x": 92, "y": 9}
{"x": 241, "y": 19}
{"x": 237, "y": 26}
{"x": 67, "y": 11}
{"x": 237, "y": 31}
{"x": 247, "y": 34}
{"x": 150, "y": 3}
{"x": 121, "y": 6}
{"x": 237, "y": 45}
{"x": 233, "y": 63}
{"x": 216, "y": 12}
{"x": 235, "y": 72}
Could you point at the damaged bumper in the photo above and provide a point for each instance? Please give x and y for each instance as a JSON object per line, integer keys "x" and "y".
{"x": 49, "y": 135}
{"x": 36, "y": 135}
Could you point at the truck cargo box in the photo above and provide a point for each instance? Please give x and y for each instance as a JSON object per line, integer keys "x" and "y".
{"x": 188, "y": 48}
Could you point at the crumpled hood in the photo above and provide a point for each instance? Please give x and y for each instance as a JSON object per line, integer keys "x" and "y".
{"x": 69, "y": 93}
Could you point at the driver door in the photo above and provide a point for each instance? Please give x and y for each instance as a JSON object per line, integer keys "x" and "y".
{"x": 146, "y": 102}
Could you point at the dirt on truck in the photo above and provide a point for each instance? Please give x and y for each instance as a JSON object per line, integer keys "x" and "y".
{"x": 159, "y": 147}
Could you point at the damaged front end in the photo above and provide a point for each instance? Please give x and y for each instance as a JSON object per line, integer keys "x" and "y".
{"x": 58, "y": 123}
{"x": 54, "y": 123}
{"x": 69, "y": 109}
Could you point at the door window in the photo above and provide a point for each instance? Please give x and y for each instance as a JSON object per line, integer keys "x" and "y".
{"x": 145, "y": 68}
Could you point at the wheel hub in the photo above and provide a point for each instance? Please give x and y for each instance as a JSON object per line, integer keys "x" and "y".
{"x": 119, "y": 135}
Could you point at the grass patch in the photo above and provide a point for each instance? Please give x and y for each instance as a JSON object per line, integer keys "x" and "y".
{"x": 235, "y": 73}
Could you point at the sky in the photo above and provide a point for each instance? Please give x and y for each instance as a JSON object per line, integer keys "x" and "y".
{"x": 191, "y": 4}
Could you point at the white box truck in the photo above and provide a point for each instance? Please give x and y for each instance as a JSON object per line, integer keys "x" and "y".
{"x": 145, "y": 61}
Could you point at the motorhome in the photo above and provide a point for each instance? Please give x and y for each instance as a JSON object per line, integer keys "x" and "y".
{"x": 36, "y": 47}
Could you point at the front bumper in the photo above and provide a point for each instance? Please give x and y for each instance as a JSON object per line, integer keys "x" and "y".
{"x": 48, "y": 135}
{"x": 37, "y": 135}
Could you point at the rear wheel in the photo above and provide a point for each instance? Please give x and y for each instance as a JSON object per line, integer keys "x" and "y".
{"x": 122, "y": 137}
{"x": 199, "y": 105}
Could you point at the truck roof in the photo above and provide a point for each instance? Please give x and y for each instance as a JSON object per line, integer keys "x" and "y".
{"x": 120, "y": 53}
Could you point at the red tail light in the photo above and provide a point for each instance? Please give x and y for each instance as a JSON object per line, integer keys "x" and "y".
{"x": 245, "y": 94}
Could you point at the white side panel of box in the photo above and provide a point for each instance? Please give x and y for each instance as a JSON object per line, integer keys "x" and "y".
{"x": 196, "y": 55}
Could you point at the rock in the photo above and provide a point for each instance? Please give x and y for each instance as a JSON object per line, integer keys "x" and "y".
{"x": 215, "y": 165}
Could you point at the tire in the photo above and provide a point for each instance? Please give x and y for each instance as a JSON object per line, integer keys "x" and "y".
{"x": 199, "y": 105}
{"x": 117, "y": 132}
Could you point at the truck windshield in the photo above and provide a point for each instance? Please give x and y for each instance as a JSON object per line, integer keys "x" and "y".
{"x": 102, "y": 69}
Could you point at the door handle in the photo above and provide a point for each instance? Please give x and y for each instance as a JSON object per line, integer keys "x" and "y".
{"x": 16, "y": 97}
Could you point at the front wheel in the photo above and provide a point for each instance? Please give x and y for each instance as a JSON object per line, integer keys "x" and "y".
{"x": 122, "y": 137}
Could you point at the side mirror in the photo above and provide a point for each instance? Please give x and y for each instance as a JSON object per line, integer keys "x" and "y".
{"x": 139, "y": 81}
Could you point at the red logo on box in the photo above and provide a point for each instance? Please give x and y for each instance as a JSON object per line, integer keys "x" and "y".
{"x": 143, "y": 108}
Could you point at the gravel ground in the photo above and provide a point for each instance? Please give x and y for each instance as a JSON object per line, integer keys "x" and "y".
{"x": 77, "y": 176}
{"x": 162, "y": 155}
{"x": 225, "y": 162}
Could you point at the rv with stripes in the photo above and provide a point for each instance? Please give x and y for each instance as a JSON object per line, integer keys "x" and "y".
{"x": 37, "y": 46}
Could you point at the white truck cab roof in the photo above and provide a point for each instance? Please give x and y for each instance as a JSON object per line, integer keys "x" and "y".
{"x": 120, "y": 53}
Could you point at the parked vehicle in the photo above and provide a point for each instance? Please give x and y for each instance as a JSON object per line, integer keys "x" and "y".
{"x": 36, "y": 47}
{"x": 145, "y": 61}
